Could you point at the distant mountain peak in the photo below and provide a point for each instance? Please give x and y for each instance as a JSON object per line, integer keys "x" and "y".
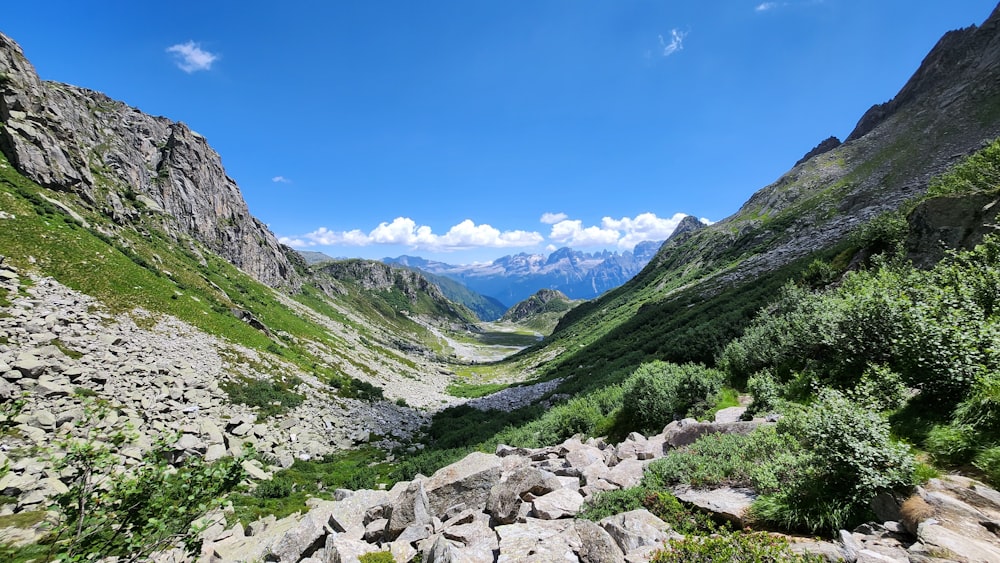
{"x": 580, "y": 275}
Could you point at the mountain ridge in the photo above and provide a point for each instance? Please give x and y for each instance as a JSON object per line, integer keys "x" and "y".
{"x": 514, "y": 278}
{"x": 131, "y": 166}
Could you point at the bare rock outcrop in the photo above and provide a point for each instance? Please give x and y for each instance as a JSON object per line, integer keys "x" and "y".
{"x": 134, "y": 168}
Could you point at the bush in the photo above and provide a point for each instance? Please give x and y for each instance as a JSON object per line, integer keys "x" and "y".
{"x": 761, "y": 460}
{"x": 270, "y": 396}
{"x": 880, "y": 389}
{"x": 609, "y": 503}
{"x": 377, "y": 557}
{"x": 739, "y": 547}
{"x": 766, "y": 393}
{"x": 662, "y": 504}
{"x": 849, "y": 459}
{"x": 952, "y": 444}
{"x": 988, "y": 461}
{"x": 659, "y": 392}
{"x": 275, "y": 488}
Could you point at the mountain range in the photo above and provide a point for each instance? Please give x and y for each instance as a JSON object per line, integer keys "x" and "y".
{"x": 514, "y": 278}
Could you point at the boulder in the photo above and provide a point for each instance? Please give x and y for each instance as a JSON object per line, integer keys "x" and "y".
{"x": 538, "y": 540}
{"x": 628, "y": 473}
{"x": 506, "y": 496}
{"x": 596, "y": 544}
{"x": 305, "y": 539}
{"x": 412, "y": 507}
{"x": 466, "y": 481}
{"x": 348, "y": 515}
{"x": 636, "y": 529}
{"x": 683, "y": 432}
{"x": 963, "y": 519}
{"x": 727, "y": 503}
{"x": 562, "y": 503}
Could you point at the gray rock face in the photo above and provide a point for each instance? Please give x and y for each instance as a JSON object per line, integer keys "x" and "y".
{"x": 411, "y": 508}
{"x": 505, "y": 497}
{"x": 684, "y": 432}
{"x": 55, "y": 133}
{"x": 467, "y": 481}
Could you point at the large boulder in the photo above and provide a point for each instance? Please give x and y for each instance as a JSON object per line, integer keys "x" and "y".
{"x": 728, "y": 503}
{"x": 562, "y": 503}
{"x": 637, "y": 529}
{"x": 506, "y": 496}
{"x": 411, "y": 508}
{"x": 962, "y": 520}
{"x": 683, "y": 432}
{"x": 467, "y": 481}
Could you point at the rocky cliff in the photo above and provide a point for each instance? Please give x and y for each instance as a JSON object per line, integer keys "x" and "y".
{"x": 141, "y": 172}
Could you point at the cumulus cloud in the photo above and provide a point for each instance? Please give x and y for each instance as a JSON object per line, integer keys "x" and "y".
{"x": 406, "y": 232}
{"x": 571, "y": 232}
{"x": 624, "y": 233}
{"x": 676, "y": 42}
{"x": 190, "y": 57}
{"x": 645, "y": 226}
{"x": 281, "y": 180}
{"x": 553, "y": 218}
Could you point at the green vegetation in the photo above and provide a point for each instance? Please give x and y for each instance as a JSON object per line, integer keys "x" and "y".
{"x": 739, "y": 546}
{"x": 854, "y": 360}
{"x": 472, "y": 390}
{"x": 377, "y": 557}
{"x": 659, "y": 392}
{"x": 270, "y": 396}
{"x": 128, "y": 514}
{"x": 289, "y": 488}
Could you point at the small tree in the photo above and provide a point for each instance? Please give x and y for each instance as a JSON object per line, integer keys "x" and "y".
{"x": 108, "y": 511}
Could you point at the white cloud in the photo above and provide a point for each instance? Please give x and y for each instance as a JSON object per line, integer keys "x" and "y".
{"x": 676, "y": 42}
{"x": 623, "y": 233}
{"x": 765, "y": 6}
{"x": 281, "y": 180}
{"x": 405, "y": 231}
{"x": 191, "y": 58}
{"x": 572, "y": 233}
{"x": 642, "y": 227}
{"x": 553, "y": 218}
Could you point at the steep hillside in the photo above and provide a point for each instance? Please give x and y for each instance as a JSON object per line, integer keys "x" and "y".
{"x": 141, "y": 172}
{"x": 703, "y": 286}
{"x": 394, "y": 290}
{"x": 541, "y": 311}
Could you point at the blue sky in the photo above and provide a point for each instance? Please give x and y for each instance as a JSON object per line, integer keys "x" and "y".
{"x": 466, "y": 130}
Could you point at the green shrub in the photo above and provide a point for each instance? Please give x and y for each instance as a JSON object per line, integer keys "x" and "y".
{"x": 270, "y": 396}
{"x": 609, "y": 503}
{"x": 952, "y": 444}
{"x": 275, "y": 488}
{"x": 849, "y": 458}
{"x": 662, "y": 504}
{"x": 766, "y": 393}
{"x": 738, "y": 546}
{"x": 658, "y": 392}
{"x": 979, "y": 173}
{"x": 377, "y": 557}
{"x": 988, "y": 461}
{"x": 880, "y": 389}
{"x": 761, "y": 460}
